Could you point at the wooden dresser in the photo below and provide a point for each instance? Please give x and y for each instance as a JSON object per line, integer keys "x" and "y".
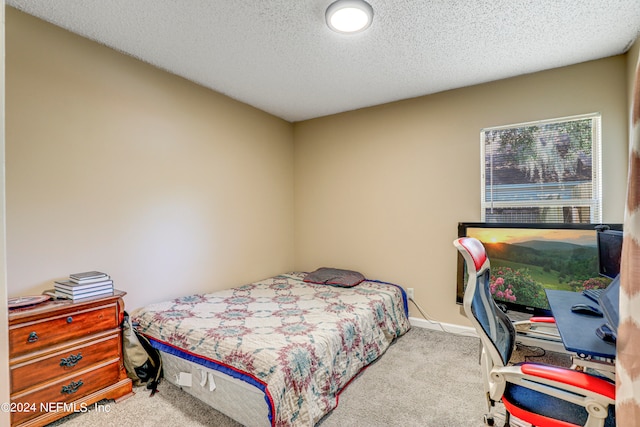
{"x": 64, "y": 356}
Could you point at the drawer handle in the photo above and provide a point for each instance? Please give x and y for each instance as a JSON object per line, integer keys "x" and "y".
{"x": 72, "y": 387}
{"x": 33, "y": 337}
{"x": 72, "y": 360}
{"x": 69, "y": 319}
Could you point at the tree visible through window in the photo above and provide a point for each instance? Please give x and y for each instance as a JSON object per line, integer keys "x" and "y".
{"x": 546, "y": 171}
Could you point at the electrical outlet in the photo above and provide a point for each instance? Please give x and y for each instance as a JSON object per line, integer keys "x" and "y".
{"x": 410, "y": 293}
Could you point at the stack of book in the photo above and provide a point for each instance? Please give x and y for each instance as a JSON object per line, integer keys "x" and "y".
{"x": 84, "y": 285}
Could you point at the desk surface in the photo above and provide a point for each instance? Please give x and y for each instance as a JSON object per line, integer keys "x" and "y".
{"x": 578, "y": 331}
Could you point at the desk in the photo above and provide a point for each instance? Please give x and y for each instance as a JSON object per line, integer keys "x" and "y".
{"x": 578, "y": 331}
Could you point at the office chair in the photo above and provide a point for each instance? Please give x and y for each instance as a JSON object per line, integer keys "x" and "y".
{"x": 542, "y": 395}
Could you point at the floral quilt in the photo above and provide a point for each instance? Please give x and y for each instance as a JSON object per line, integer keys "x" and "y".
{"x": 300, "y": 343}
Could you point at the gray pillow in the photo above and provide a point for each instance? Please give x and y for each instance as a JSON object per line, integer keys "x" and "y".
{"x": 334, "y": 277}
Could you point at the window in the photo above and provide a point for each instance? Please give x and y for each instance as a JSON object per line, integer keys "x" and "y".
{"x": 545, "y": 171}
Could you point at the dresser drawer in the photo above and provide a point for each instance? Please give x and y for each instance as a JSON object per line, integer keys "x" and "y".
{"x": 71, "y": 359}
{"x": 36, "y": 335}
{"x": 65, "y": 390}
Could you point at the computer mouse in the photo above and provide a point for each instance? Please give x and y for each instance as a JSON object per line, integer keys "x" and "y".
{"x": 605, "y": 333}
{"x": 586, "y": 309}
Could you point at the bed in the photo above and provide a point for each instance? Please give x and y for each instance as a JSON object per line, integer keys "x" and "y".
{"x": 278, "y": 351}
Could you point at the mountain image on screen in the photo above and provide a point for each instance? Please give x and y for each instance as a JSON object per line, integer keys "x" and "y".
{"x": 520, "y": 272}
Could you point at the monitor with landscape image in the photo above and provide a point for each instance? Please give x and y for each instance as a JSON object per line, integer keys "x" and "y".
{"x": 528, "y": 258}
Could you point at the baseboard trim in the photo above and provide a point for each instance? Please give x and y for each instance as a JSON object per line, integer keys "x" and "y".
{"x": 443, "y": 327}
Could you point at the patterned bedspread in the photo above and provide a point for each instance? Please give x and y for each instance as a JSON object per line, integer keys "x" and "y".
{"x": 300, "y": 343}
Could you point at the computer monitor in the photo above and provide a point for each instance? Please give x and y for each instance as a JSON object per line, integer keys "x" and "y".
{"x": 528, "y": 258}
{"x": 609, "y": 252}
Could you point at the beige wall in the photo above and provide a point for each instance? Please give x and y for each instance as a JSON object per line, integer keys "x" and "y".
{"x": 116, "y": 166}
{"x": 381, "y": 190}
{"x": 171, "y": 188}
{"x": 4, "y": 335}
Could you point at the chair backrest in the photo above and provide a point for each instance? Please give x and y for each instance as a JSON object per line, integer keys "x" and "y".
{"x": 494, "y": 327}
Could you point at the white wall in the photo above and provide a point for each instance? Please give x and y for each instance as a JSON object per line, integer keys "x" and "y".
{"x": 632, "y": 57}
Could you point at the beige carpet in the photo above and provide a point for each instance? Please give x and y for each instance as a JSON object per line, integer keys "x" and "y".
{"x": 426, "y": 378}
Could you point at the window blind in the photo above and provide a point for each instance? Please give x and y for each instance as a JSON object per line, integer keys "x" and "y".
{"x": 544, "y": 171}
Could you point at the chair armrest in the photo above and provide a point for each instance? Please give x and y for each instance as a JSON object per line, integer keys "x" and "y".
{"x": 542, "y": 320}
{"x": 571, "y": 377}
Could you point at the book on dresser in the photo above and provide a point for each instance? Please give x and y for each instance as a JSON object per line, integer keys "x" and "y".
{"x": 84, "y": 285}
{"x": 89, "y": 281}
{"x": 88, "y": 277}
{"x": 71, "y": 287}
{"x": 84, "y": 293}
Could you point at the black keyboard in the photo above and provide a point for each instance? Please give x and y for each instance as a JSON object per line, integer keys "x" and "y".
{"x": 593, "y": 294}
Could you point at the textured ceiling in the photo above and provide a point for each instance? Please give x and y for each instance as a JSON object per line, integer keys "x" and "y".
{"x": 279, "y": 56}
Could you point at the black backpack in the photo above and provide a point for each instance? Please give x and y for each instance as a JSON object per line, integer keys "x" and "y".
{"x": 141, "y": 360}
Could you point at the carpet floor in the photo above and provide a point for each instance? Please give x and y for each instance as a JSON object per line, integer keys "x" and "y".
{"x": 426, "y": 378}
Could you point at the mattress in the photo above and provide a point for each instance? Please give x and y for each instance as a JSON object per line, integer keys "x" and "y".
{"x": 233, "y": 397}
{"x": 299, "y": 344}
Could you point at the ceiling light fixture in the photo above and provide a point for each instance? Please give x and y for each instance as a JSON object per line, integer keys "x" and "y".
{"x": 349, "y": 16}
